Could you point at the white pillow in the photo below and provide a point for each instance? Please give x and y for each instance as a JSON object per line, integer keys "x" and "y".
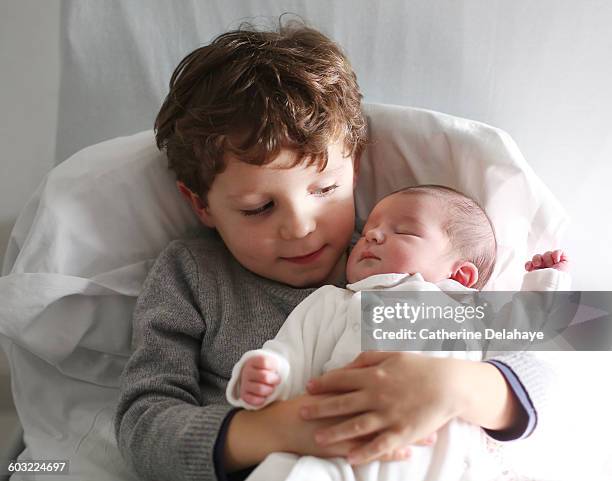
{"x": 82, "y": 247}
{"x": 107, "y": 207}
{"x": 413, "y": 146}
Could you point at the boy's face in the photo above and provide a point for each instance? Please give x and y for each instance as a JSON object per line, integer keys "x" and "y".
{"x": 403, "y": 234}
{"x": 291, "y": 225}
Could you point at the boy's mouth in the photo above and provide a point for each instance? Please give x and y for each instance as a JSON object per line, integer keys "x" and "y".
{"x": 306, "y": 258}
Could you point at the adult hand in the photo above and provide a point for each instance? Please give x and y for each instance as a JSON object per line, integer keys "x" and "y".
{"x": 393, "y": 399}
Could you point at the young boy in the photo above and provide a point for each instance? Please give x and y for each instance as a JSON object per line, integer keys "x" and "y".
{"x": 422, "y": 238}
{"x": 264, "y": 132}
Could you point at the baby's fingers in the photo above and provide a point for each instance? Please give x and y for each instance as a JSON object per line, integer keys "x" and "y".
{"x": 253, "y": 400}
{"x": 428, "y": 441}
{"x": 536, "y": 261}
{"x": 255, "y": 393}
{"x": 547, "y": 259}
{"x": 559, "y": 256}
{"x": 258, "y": 389}
{"x": 400, "y": 454}
{"x": 263, "y": 376}
{"x": 263, "y": 362}
{"x": 255, "y": 370}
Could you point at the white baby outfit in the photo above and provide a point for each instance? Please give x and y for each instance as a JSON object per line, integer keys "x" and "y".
{"x": 323, "y": 333}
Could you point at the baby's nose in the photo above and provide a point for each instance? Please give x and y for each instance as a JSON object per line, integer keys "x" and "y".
{"x": 375, "y": 235}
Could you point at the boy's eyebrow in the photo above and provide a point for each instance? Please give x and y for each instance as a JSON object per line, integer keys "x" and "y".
{"x": 320, "y": 174}
{"x": 242, "y": 194}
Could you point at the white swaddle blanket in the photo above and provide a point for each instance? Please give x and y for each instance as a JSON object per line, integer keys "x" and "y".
{"x": 323, "y": 333}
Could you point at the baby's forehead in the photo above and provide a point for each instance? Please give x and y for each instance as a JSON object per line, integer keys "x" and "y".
{"x": 409, "y": 207}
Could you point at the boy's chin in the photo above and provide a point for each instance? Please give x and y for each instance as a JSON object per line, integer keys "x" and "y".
{"x": 305, "y": 281}
{"x": 315, "y": 275}
{"x": 315, "y": 278}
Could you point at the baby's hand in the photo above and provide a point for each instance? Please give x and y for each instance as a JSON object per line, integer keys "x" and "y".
{"x": 259, "y": 378}
{"x": 550, "y": 259}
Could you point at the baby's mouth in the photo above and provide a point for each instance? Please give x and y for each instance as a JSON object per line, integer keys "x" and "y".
{"x": 368, "y": 255}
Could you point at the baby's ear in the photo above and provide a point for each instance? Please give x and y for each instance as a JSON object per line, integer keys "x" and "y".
{"x": 196, "y": 204}
{"x": 465, "y": 273}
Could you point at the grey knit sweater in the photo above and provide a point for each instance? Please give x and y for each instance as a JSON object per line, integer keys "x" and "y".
{"x": 199, "y": 311}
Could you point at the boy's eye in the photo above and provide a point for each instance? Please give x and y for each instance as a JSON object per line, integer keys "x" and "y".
{"x": 326, "y": 190}
{"x": 264, "y": 208}
{"x": 259, "y": 210}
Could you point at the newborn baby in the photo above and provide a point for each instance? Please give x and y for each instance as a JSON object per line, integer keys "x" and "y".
{"x": 419, "y": 238}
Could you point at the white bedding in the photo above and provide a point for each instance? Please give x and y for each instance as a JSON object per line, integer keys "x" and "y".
{"x": 82, "y": 246}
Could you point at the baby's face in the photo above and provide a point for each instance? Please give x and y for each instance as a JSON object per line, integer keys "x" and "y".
{"x": 403, "y": 234}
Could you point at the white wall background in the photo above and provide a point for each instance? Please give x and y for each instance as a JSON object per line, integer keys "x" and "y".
{"x": 539, "y": 70}
{"x": 29, "y": 88}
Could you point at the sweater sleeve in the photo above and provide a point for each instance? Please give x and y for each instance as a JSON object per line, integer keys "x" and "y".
{"x": 536, "y": 376}
{"x": 162, "y": 428}
{"x": 526, "y": 424}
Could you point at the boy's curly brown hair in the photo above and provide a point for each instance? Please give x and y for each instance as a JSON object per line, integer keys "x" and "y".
{"x": 251, "y": 93}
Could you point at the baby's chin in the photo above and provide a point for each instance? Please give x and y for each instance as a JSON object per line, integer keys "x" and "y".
{"x": 359, "y": 273}
{"x": 356, "y": 275}
{"x": 353, "y": 276}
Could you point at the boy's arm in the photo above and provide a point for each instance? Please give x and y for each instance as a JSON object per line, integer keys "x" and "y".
{"x": 472, "y": 390}
{"x": 525, "y": 380}
{"x": 161, "y": 427}
{"x": 524, "y": 419}
{"x": 493, "y": 397}
{"x": 527, "y": 374}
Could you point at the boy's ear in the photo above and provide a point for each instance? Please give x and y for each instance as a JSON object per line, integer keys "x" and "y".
{"x": 465, "y": 273}
{"x": 196, "y": 204}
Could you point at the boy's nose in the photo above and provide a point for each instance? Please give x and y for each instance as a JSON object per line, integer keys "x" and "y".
{"x": 297, "y": 226}
{"x": 375, "y": 235}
